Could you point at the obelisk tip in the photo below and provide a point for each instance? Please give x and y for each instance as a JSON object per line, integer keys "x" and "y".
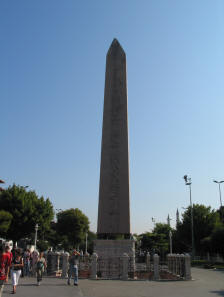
{"x": 115, "y": 45}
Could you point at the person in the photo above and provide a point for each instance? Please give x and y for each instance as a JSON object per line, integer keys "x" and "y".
{"x": 9, "y": 253}
{"x": 4, "y": 268}
{"x": 17, "y": 265}
{"x": 34, "y": 257}
{"x": 27, "y": 263}
{"x": 41, "y": 266}
{"x": 73, "y": 267}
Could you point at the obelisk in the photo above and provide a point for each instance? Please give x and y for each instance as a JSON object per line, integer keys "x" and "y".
{"x": 114, "y": 208}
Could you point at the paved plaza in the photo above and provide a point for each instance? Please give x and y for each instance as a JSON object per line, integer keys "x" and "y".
{"x": 206, "y": 283}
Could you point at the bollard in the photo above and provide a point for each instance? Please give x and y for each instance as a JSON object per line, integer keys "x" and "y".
{"x": 156, "y": 266}
{"x": 187, "y": 267}
{"x": 94, "y": 266}
{"x": 65, "y": 265}
{"x": 148, "y": 262}
{"x": 125, "y": 266}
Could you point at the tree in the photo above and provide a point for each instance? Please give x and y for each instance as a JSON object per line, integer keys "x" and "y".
{"x": 5, "y": 222}
{"x": 72, "y": 226}
{"x": 27, "y": 210}
{"x": 217, "y": 239}
{"x": 204, "y": 220}
{"x": 156, "y": 241}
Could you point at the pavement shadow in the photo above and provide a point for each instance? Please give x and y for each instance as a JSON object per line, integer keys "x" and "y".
{"x": 43, "y": 285}
{"x": 219, "y": 293}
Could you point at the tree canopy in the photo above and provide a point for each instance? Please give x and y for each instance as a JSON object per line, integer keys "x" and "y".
{"x": 204, "y": 220}
{"x": 72, "y": 225}
{"x": 5, "y": 222}
{"x": 27, "y": 210}
{"x": 156, "y": 241}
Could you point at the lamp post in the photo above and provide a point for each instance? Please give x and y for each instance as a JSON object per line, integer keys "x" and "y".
{"x": 188, "y": 183}
{"x": 35, "y": 240}
{"x": 171, "y": 244}
{"x": 154, "y": 221}
{"x": 86, "y": 253}
{"x": 220, "y": 196}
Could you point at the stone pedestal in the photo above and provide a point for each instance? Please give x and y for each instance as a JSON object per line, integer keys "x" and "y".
{"x": 111, "y": 258}
{"x": 114, "y": 248}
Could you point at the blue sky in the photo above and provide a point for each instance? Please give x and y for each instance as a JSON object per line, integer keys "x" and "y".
{"x": 52, "y": 68}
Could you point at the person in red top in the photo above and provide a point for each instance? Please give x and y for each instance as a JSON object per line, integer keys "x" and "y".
{"x": 9, "y": 253}
{"x": 4, "y": 268}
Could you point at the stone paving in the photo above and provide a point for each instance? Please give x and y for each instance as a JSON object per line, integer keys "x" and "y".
{"x": 206, "y": 283}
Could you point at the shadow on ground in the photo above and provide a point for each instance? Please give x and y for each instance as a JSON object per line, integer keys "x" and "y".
{"x": 219, "y": 293}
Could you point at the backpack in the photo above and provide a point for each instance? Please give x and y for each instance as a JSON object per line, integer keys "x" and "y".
{"x": 40, "y": 265}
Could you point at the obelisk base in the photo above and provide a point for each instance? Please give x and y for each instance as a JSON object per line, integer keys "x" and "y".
{"x": 111, "y": 254}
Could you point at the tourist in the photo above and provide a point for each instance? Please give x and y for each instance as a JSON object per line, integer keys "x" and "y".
{"x": 27, "y": 262}
{"x": 73, "y": 267}
{"x": 10, "y": 256}
{"x": 17, "y": 266}
{"x": 41, "y": 266}
{"x": 4, "y": 268}
{"x": 34, "y": 257}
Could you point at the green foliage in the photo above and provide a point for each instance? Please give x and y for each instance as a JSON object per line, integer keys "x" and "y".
{"x": 205, "y": 220}
{"x": 27, "y": 210}
{"x": 72, "y": 226}
{"x": 42, "y": 245}
{"x": 217, "y": 239}
{"x": 5, "y": 222}
{"x": 158, "y": 240}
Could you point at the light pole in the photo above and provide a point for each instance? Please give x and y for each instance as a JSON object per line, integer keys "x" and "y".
{"x": 154, "y": 221}
{"x": 171, "y": 244}
{"x": 35, "y": 240}
{"x": 188, "y": 183}
{"x": 57, "y": 210}
{"x": 86, "y": 253}
{"x": 220, "y": 196}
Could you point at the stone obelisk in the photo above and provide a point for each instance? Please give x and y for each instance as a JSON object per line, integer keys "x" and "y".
{"x": 114, "y": 245}
{"x": 114, "y": 209}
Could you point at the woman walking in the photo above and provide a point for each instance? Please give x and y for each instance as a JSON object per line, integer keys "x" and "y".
{"x": 17, "y": 265}
{"x": 41, "y": 266}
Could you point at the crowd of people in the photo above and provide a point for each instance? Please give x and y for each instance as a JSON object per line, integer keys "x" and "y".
{"x": 16, "y": 263}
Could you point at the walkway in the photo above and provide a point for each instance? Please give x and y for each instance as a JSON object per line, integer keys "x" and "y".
{"x": 206, "y": 283}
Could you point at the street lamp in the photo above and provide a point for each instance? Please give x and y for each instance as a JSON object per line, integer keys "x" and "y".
{"x": 219, "y": 182}
{"x": 86, "y": 252}
{"x": 188, "y": 183}
{"x": 220, "y": 196}
{"x": 171, "y": 245}
{"x": 35, "y": 240}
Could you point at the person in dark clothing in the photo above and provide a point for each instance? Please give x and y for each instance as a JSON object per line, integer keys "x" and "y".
{"x": 73, "y": 267}
{"x": 17, "y": 266}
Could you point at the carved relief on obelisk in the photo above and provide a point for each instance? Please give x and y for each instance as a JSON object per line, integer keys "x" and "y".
{"x": 114, "y": 209}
